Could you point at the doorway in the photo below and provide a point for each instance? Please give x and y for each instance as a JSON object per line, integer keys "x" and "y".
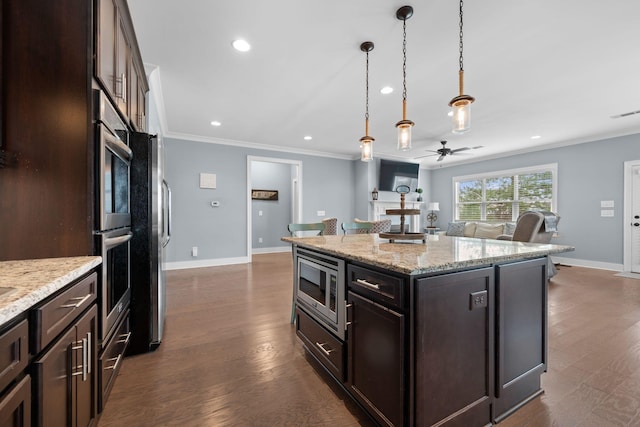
{"x": 631, "y": 224}
{"x": 289, "y": 187}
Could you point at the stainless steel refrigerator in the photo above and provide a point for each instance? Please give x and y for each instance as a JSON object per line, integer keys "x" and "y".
{"x": 151, "y": 226}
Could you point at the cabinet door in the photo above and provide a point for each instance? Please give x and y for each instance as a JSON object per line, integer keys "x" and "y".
{"x": 52, "y": 376}
{"x": 376, "y": 359}
{"x": 106, "y": 43}
{"x": 133, "y": 96}
{"x": 15, "y": 405}
{"x": 122, "y": 66}
{"x": 521, "y": 325}
{"x": 85, "y": 381}
{"x": 454, "y": 348}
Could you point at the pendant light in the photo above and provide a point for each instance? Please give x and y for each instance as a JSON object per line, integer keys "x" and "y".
{"x": 366, "y": 142}
{"x": 404, "y": 126}
{"x": 461, "y": 104}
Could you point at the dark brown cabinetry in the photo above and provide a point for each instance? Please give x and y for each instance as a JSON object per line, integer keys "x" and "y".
{"x": 454, "y": 348}
{"x": 521, "y": 334}
{"x": 64, "y": 370}
{"x": 321, "y": 343}
{"x": 65, "y": 376}
{"x": 46, "y": 208}
{"x": 376, "y": 359}
{"x": 118, "y": 65}
{"x": 376, "y": 343}
{"x": 111, "y": 358}
{"x": 15, "y": 400}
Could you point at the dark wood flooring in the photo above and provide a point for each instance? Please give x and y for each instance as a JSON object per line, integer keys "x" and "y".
{"x": 231, "y": 358}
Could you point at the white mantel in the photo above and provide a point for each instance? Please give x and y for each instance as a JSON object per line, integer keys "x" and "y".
{"x": 379, "y": 211}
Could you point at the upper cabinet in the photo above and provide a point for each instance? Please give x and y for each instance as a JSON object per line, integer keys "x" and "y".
{"x": 118, "y": 64}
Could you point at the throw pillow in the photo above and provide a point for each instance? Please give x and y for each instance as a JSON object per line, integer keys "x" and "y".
{"x": 455, "y": 229}
{"x": 509, "y": 228}
{"x": 488, "y": 231}
{"x": 470, "y": 229}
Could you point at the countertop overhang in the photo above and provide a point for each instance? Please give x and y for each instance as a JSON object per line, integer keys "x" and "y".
{"x": 438, "y": 254}
{"x": 36, "y": 279}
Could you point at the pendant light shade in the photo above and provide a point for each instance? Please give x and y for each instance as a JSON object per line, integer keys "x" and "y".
{"x": 366, "y": 142}
{"x": 404, "y": 126}
{"x": 461, "y": 104}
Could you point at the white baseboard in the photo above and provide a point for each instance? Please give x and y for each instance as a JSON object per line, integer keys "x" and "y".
{"x": 275, "y": 249}
{"x": 181, "y": 265}
{"x": 587, "y": 263}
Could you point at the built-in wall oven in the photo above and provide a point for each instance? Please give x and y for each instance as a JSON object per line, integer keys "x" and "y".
{"x": 113, "y": 158}
{"x": 320, "y": 288}
{"x": 113, "y": 213}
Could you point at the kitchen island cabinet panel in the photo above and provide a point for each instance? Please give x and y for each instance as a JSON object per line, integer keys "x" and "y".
{"x": 376, "y": 359}
{"x": 521, "y": 325}
{"x": 453, "y": 348}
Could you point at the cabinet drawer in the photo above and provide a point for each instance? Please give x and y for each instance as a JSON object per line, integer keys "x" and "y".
{"x": 328, "y": 349}
{"x": 54, "y": 316}
{"x": 13, "y": 352}
{"x": 15, "y": 406}
{"x": 378, "y": 286}
{"x": 111, "y": 359}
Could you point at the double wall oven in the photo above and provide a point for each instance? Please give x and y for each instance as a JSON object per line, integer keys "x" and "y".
{"x": 113, "y": 213}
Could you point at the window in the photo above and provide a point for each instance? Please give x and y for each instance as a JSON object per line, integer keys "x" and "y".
{"x": 502, "y": 196}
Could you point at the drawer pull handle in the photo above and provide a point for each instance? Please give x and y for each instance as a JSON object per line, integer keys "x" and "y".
{"x": 86, "y": 355}
{"x": 324, "y": 350}
{"x": 115, "y": 365}
{"x": 124, "y": 338}
{"x": 369, "y": 284}
{"x": 79, "y": 303}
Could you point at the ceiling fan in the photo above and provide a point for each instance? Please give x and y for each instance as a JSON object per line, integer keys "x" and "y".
{"x": 444, "y": 151}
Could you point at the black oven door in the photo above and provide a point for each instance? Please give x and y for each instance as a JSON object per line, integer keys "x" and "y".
{"x": 116, "y": 290}
{"x": 113, "y": 181}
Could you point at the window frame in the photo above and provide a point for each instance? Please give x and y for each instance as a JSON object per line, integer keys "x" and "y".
{"x": 550, "y": 167}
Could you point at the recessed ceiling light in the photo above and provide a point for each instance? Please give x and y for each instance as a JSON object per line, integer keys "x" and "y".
{"x": 308, "y": 138}
{"x": 215, "y": 123}
{"x": 241, "y": 45}
{"x": 536, "y": 137}
{"x": 386, "y": 90}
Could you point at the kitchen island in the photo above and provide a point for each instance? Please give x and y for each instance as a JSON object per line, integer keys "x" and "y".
{"x": 451, "y": 332}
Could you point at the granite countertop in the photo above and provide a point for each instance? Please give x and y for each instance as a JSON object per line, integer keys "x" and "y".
{"x": 34, "y": 280}
{"x": 440, "y": 253}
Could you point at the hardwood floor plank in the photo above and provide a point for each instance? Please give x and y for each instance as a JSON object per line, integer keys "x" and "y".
{"x": 230, "y": 357}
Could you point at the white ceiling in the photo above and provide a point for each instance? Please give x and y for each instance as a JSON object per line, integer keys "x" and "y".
{"x": 558, "y": 69}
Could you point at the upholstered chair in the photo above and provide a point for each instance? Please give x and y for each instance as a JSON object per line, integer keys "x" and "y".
{"x": 330, "y": 226}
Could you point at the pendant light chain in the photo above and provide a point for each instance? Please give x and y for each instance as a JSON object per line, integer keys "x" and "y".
{"x": 404, "y": 59}
{"x": 461, "y": 38}
{"x": 366, "y": 115}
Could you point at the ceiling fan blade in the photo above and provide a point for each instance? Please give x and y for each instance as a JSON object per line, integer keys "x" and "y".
{"x": 460, "y": 149}
{"x": 440, "y": 158}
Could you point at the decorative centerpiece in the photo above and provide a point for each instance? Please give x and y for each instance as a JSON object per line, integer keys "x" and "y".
{"x": 402, "y": 235}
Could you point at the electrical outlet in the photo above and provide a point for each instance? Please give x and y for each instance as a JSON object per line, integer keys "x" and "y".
{"x": 194, "y": 251}
{"x": 259, "y": 239}
{"x": 478, "y": 300}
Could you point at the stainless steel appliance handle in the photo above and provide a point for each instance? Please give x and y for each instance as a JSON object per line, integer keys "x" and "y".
{"x": 112, "y": 242}
{"x": 117, "y": 146}
{"x": 166, "y": 185}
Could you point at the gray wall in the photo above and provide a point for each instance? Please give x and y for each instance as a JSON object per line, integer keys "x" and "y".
{"x": 270, "y": 176}
{"x": 221, "y": 233}
{"x": 587, "y": 174}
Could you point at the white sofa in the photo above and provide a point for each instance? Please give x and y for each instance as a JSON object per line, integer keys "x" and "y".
{"x": 482, "y": 230}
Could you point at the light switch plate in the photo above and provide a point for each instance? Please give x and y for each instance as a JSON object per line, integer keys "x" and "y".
{"x": 606, "y": 212}
{"x": 321, "y": 213}
{"x": 606, "y": 203}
